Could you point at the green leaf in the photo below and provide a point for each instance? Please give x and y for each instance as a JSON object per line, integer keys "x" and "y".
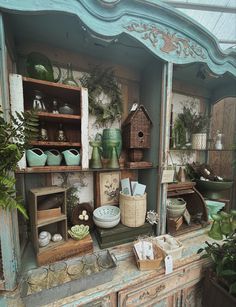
{"x": 228, "y": 273}
{"x": 232, "y": 288}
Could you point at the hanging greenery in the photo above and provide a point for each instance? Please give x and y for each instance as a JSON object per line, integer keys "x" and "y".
{"x": 14, "y": 139}
{"x": 100, "y": 81}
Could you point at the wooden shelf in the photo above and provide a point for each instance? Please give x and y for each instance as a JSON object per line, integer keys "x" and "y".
{"x": 51, "y": 245}
{"x": 51, "y": 84}
{"x": 58, "y": 117}
{"x": 57, "y": 144}
{"x": 50, "y": 169}
{"x": 43, "y": 222}
{"x": 190, "y": 149}
{"x": 65, "y": 168}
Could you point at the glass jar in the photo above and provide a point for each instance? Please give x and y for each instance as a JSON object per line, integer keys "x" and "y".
{"x": 57, "y": 274}
{"x": 38, "y": 280}
{"x": 90, "y": 264}
{"x": 76, "y": 270}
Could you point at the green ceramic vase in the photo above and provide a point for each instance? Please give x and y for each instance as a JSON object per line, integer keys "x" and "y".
{"x": 109, "y": 136}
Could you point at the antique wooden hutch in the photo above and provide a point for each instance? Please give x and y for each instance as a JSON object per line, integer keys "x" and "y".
{"x": 154, "y": 50}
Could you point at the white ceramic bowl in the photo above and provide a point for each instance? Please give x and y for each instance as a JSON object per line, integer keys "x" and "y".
{"x": 106, "y": 213}
{"x": 106, "y": 224}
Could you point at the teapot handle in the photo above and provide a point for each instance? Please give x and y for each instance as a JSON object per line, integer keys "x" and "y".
{"x": 59, "y": 73}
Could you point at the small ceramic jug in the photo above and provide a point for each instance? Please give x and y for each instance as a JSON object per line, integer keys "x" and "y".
{"x": 72, "y": 156}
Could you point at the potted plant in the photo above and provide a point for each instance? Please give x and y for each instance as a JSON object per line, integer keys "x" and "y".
{"x": 196, "y": 125}
{"x": 220, "y": 280}
{"x": 15, "y": 136}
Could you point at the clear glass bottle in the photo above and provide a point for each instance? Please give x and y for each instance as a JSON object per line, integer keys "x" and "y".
{"x": 43, "y": 132}
{"x": 55, "y": 106}
{"x": 38, "y": 103}
{"x": 61, "y": 137}
{"x": 69, "y": 80}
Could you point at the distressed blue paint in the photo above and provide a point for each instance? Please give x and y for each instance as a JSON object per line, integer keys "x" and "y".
{"x": 8, "y": 219}
{"x": 3, "y": 301}
{"x": 110, "y": 19}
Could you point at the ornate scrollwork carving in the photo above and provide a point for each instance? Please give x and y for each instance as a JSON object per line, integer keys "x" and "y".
{"x": 166, "y": 40}
{"x": 145, "y": 295}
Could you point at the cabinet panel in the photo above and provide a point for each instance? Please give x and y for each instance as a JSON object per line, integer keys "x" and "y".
{"x": 152, "y": 292}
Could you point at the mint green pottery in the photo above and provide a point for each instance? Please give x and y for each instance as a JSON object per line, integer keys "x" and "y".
{"x": 39, "y": 67}
{"x": 213, "y": 207}
{"x": 72, "y": 156}
{"x": 95, "y": 161}
{"x": 109, "y": 136}
{"x": 53, "y": 157}
{"x": 36, "y": 157}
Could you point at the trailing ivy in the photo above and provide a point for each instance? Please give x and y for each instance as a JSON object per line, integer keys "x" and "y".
{"x": 15, "y": 136}
{"x": 100, "y": 81}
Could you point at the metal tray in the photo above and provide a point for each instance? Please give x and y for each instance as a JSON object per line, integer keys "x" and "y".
{"x": 68, "y": 288}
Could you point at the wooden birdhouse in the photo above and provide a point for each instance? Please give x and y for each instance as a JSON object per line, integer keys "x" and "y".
{"x": 136, "y": 133}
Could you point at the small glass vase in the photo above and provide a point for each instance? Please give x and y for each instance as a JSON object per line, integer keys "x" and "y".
{"x": 69, "y": 80}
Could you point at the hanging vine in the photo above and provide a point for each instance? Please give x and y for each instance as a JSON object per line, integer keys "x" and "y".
{"x": 100, "y": 81}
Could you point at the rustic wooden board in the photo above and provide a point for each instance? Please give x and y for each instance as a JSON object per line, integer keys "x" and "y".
{"x": 69, "y": 249}
{"x": 141, "y": 164}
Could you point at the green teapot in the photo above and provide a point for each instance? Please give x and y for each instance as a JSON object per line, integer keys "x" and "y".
{"x": 39, "y": 67}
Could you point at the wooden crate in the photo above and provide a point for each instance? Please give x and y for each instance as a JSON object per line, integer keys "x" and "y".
{"x": 121, "y": 234}
{"x": 52, "y": 218}
{"x": 145, "y": 265}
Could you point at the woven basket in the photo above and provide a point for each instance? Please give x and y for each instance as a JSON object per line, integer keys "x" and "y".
{"x": 133, "y": 210}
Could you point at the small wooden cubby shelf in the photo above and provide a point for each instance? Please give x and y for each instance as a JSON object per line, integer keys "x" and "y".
{"x": 46, "y": 200}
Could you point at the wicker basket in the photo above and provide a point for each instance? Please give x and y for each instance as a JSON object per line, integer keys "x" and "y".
{"x": 133, "y": 210}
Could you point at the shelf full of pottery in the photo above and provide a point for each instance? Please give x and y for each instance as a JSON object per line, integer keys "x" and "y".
{"x": 62, "y": 110}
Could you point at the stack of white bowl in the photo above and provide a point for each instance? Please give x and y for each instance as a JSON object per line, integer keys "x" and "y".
{"x": 106, "y": 216}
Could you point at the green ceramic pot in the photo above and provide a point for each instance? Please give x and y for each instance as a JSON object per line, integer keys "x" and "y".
{"x": 213, "y": 189}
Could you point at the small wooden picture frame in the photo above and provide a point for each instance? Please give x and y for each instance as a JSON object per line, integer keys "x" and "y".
{"x": 107, "y": 188}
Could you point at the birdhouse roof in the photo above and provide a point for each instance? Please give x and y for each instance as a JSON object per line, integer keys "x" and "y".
{"x": 132, "y": 115}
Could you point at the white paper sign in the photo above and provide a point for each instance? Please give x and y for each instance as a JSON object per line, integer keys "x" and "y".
{"x": 169, "y": 264}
